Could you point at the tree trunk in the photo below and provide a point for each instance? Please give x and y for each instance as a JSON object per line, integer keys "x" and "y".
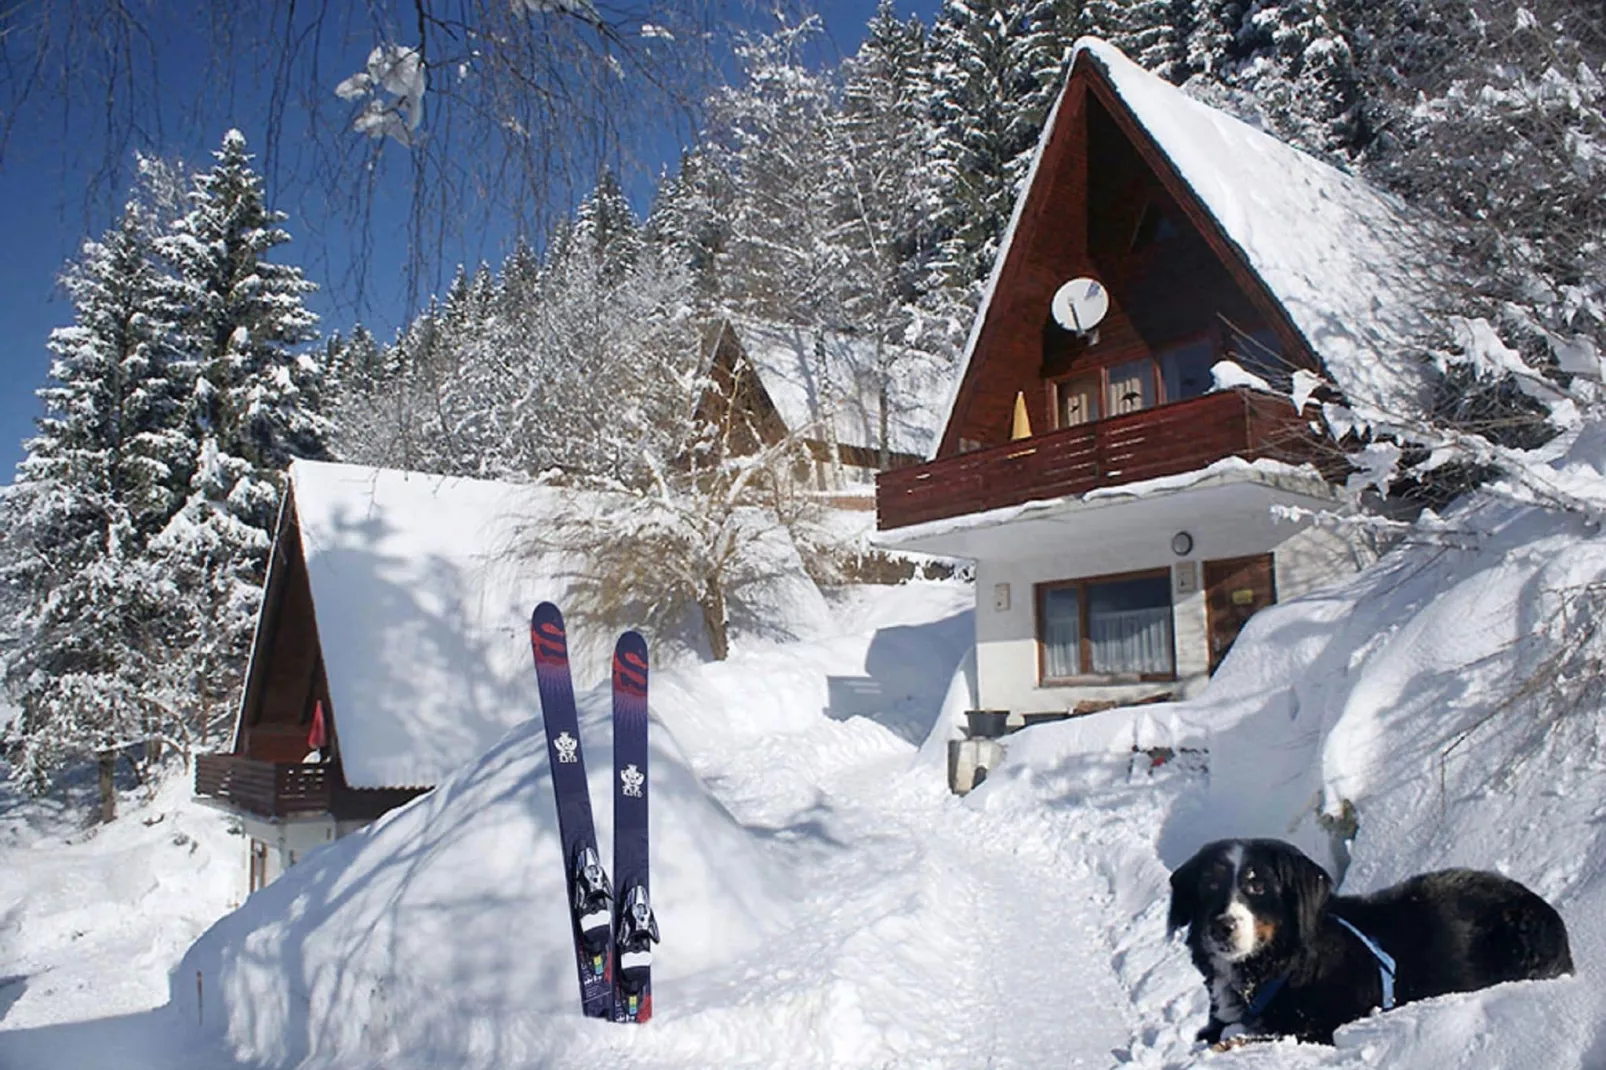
{"x": 108, "y": 786}
{"x": 713, "y": 606}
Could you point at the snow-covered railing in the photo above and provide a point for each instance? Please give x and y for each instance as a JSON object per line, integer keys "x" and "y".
{"x": 265, "y": 788}
{"x": 1165, "y": 440}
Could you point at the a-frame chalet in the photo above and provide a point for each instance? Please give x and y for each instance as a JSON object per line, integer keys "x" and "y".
{"x": 392, "y": 647}
{"x": 1117, "y": 488}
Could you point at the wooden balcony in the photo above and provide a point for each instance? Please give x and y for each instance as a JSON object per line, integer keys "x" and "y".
{"x": 1163, "y": 441}
{"x": 267, "y": 789}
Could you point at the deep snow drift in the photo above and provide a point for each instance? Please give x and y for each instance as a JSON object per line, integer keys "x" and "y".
{"x": 825, "y": 902}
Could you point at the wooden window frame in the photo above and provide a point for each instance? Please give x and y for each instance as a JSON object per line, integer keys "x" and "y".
{"x": 1101, "y": 373}
{"x": 1084, "y": 652}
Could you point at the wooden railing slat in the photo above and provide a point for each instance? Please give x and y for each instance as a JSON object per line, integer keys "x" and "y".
{"x": 265, "y": 788}
{"x": 1167, "y": 440}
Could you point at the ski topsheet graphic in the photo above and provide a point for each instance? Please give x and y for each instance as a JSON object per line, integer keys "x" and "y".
{"x": 613, "y": 935}
{"x": 635, "y": 928}
{"x": 589, "y": 893}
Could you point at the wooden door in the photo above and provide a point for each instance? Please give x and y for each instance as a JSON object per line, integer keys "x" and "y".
{"x": 1235, "y": 590}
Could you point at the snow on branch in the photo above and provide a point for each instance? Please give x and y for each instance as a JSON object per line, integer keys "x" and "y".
{"x": 391, "y": 90}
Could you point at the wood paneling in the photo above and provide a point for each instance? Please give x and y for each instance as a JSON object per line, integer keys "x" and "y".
{"x": 265, "y": 788}
{"x": 288, "y": 789}
{"x": 1162, "y": 441}
{"x": 1099, "y": 172}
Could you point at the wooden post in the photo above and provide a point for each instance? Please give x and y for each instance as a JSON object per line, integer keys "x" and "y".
{"x": 108, "y": 786}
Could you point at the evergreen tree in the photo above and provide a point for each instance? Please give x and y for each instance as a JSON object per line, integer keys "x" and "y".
{"x": 255, "y": 403}
{"x": 888, "y": 201}
{"x": 1286, "y": 63}
{"x": 772, "y": 135}
{"x": 88, "y": 637}
{"x": 241, "y": 321}
{"x": 997, "y": 65}
{"x": 1501, "y": 132}
{"x": 690, "y": 220}
{"x": 1155, "y": 34}
{"x": 607, "y": 224}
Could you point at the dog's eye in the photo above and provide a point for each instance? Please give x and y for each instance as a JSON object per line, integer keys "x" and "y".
{"x": 1254, "y": 886}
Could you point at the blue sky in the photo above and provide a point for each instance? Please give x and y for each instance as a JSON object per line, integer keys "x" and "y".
{"x": 50, "y": 202}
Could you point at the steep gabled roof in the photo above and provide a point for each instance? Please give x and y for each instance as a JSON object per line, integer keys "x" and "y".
{"x": 1345, "y": 262}
{"x": 826, "y": 379}
{"x": 422, "y": 588}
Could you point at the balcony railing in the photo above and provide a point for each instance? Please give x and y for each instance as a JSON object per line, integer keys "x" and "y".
{"x": 1163, "y": 441}
{"x": 266, "y": 788}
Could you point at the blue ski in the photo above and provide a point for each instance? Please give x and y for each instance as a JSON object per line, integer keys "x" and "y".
{"x": 589, "y": 892}
{"x": 635, "y": 928}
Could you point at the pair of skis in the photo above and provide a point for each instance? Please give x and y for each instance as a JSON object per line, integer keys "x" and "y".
{"x": 613, "y": 934}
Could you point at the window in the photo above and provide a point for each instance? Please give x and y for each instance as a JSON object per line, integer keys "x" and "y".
{"x": 1131, "y": 387}
{"x": 1078, "y": 401}
{"x": 1118, "y": 626}
{"x": 1185, "y": 369}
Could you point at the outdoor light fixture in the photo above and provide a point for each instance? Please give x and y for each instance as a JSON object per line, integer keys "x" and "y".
{"x": 1182, "y": 544}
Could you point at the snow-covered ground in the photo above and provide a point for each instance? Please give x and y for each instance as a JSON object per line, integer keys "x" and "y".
{"x": 826, "y": 903}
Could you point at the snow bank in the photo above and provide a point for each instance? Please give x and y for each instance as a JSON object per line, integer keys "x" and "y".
{"x": 439, "y": 937}
{"x": 92, "y": 919}
{"x": 442, "y": 931}
{"x": 1404, "y": 700}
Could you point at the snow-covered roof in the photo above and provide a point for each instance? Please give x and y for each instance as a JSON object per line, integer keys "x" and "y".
{"x": 1344, "y": 259}
{"x": 814, "y": 377}
{"x": 422, "y": 587}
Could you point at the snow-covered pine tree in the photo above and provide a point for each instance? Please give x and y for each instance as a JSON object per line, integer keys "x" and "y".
{"x": 243, "y": 326}
{"x": 995, "y": 74}
{"x": 605, "y": 221}
{"x": 1155, "y": 34}
{"x": 887, "y": 197}
{"x": 1287, "y": 64}
{"x": 1500, "y": 129}
{"x": 89, "y": 636}
{"x": 255, "y": 404}
{"x": 690, "y": 220}
{"x": 772, "y": 136}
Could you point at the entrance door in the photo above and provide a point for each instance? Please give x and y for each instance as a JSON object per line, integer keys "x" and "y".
{"x": 1235, "y": 590}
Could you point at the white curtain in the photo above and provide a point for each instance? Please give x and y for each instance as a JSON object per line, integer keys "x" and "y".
{"x": 1132, "y": 641}
{"x": 1062, "y": 641}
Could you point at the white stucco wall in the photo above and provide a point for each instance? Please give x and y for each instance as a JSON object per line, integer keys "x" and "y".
{"x": 1305, "y": 558}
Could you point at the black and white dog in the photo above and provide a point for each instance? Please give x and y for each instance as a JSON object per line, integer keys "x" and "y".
{"x": 1282, "y": 956}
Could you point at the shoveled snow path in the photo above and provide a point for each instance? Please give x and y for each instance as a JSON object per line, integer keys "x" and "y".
{"x": 931, "y": 932}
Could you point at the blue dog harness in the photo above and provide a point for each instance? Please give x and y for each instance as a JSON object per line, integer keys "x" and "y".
{"x": 1385, "y": 962}
{"x": 1385, "y": 972}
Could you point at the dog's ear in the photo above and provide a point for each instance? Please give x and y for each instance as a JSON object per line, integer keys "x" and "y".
{"x": 1184, "y": 895}
{"x": 1306, "y": 887}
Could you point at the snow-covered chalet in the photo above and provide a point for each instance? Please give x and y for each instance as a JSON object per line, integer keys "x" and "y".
{"x": 392, "y": 647}
{"x": 1117, "y": 488}
{"x": 768, "y": 381}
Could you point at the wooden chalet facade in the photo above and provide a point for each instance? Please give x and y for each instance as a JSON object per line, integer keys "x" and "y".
{"x": 785, "y": 381}
{"x": 1123, "y": 540}
{"x": 289, "y": 792}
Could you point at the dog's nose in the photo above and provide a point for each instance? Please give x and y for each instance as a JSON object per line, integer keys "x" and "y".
{"x": 1221, "y": 929}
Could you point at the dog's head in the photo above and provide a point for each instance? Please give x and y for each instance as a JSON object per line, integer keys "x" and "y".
{"x": 1237, "y": 898}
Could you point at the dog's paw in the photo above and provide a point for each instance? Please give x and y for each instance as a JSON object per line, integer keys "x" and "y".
{"x": 1234, "y": 1042}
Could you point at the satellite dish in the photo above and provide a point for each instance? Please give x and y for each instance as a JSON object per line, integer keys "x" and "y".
{"x": 1080, "y": 304}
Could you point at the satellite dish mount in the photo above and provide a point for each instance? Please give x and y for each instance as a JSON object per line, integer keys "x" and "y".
{"x": 1079, "y": 305}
